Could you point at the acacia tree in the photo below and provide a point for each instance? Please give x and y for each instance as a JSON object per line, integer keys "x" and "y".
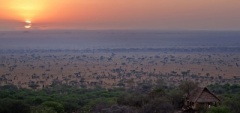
{"x": 187, "y": 86}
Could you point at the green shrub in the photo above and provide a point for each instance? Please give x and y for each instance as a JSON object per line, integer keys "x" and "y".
{"x": 219, "y": 109}
{"x": 54, "y": 105}
{"x": 13, "y": 106}
{"x": 42, "y": 109}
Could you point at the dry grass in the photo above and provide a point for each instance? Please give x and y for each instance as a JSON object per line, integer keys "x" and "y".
{"x": 98, "y": 68}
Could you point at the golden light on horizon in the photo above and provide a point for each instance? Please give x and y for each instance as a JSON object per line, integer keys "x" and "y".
{"x": 27, "y": 26}
{"x": 26, "y": 9}
{"x": 143, "y": 14}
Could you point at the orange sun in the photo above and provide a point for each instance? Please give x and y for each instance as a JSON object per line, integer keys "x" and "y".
{"x": 28, "y": 24}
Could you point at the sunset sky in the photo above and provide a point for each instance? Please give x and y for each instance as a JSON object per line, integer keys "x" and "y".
{"x": 120, "y": 14}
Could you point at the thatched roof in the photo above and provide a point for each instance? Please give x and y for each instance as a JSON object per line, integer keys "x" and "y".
{"x": 202, "y": 95}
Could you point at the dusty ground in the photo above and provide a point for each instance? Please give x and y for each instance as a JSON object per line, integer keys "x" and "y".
{"x": 108, "y": 69}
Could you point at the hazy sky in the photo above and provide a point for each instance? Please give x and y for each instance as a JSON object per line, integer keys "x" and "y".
{"x": 121, "y": 14}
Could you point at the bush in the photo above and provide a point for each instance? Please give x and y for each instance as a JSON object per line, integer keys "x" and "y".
{"x": 13, "y": 106}
{"x": 54, "y": 105}
{"x": 159, "y": 105}
{"x": 219, "y": 110}
{"x": 42, "y": 109}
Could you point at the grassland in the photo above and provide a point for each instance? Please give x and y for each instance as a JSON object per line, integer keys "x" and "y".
{"x": 38, "y": 69}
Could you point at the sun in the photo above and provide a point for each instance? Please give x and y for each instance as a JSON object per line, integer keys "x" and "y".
{"x": 28, "y": 24}
{"x": 27, "y": 27}
{"x": 28, "y": 21}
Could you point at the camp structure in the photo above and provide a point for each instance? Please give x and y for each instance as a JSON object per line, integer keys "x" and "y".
{"x": 200, "y": 98}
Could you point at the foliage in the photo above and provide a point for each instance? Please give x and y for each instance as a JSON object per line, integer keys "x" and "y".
{"x": 159, "y": 105}
{"x": 219, "y": 109}
{"x": 225, "y": 89}
{"x": 42, "y": 109}
{"x": 13, "y": 106}
{"x": 59, "y": 99}
{"x": 54, "y": 106}
{"x": 187, "y": 86}
{"x": 230, "y": 95}
{"x": 145, "y": 98}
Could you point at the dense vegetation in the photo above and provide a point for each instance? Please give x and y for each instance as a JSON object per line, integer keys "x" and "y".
{"x": 140, "y": 99}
